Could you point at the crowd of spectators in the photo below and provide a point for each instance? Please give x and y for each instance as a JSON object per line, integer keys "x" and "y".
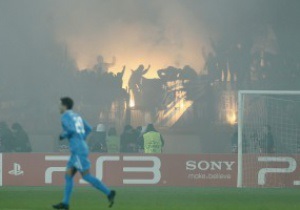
{"x": 14, "y": 138}
{"x": 142, "y": 139}
{"x": 258, "y": 141}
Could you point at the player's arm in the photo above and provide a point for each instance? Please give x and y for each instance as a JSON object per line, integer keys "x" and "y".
{"x": 68, "y": 129}
{"x": 87, "y": 128}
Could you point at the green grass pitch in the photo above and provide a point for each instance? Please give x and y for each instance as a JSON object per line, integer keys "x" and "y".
{"x": 150, "y": 198}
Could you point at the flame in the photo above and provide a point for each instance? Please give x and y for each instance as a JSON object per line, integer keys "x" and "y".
{"x": 131, "y": 100}
{"x": 231, "y": 117}
{"x": 182, "y": 104}
{"x": 131, "y": 103}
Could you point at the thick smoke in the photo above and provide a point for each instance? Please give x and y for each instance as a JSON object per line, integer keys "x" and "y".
{"x": 43, "y": 42}
{"x": 160, "y": 33}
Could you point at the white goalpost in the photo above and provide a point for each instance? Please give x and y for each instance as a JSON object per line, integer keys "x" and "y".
{"x": 268, "y": 132}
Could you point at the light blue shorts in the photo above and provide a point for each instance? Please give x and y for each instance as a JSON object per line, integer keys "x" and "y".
{"x": 80, "y": 162}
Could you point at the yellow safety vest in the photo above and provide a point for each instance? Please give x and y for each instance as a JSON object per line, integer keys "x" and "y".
{"x": 113, "y": 144}
{"x": 152, "y": 142}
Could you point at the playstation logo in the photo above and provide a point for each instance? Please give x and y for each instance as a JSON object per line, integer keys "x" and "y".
{"x": 17, "y": 170}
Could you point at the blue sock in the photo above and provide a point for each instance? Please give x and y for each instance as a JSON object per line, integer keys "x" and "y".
{"x": 68, "y": 189}
{"x": 96, "y": 183}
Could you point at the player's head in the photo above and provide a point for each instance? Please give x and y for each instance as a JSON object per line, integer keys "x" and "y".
{"x": 66, "y": 103}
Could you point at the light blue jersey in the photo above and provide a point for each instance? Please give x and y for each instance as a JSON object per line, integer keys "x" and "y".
{"x": 76, "y": 130}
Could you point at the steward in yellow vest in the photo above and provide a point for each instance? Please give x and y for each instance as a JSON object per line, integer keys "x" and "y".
{"x": 152, "y": 141}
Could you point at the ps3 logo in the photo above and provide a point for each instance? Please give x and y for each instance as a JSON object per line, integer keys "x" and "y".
{"x": 16, "y": 170}
{"x": 154, "y": 169}
{"x": 262, "y": 174}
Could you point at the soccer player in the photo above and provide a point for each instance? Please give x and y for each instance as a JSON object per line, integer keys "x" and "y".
{"x": 76, "y": 130}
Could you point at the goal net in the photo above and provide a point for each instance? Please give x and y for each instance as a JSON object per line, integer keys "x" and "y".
{"x": 268, "y": 138}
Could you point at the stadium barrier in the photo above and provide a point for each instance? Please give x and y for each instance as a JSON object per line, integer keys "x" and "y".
{"x": 203, "y": 170}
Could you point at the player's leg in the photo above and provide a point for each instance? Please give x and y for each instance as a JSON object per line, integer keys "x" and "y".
{"x": 95, "y": 182}
{"x": 70, "y": 173}
{"x": 100, "y": 186}
{"x": 84, "y": 166}
{"x": 69, "y": 183}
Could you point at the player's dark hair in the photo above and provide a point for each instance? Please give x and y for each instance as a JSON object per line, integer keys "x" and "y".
{"x": 67, "y": 102}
